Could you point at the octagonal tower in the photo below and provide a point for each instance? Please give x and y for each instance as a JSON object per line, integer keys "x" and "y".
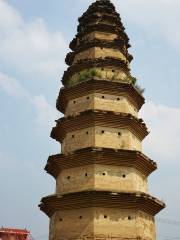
{"x": 101, "y": 174}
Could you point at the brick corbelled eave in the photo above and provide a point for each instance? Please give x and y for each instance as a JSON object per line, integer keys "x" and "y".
{"x": 117, "y": 45}
{"x": 99, "y": 118}
{"x": 87, "y": 199}
{"x": 104, "y": 156}
{"x": 99, "y": 86}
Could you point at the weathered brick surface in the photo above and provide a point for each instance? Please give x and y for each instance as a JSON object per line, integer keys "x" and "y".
{"x": 95, "y": 137}
{"x": 99, "y": 101}
{"x": 101, "y": 36}
{"x": 97, "y": 52}
{"x": 101, "y": 223}
{"x": 101, "y": 177}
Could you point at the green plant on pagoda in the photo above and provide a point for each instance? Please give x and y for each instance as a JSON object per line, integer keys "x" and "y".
{"x": 133, "y": 80}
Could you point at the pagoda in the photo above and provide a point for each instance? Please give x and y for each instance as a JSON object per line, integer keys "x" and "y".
{"x": 101, "y": 173}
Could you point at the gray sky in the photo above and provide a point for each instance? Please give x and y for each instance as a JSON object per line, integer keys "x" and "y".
{"x": 34, "y": 38}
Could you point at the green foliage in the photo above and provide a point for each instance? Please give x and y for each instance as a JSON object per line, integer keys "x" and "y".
{"x": 133, "y": 80}
{"x": 83, "y": 76}
{"x": 93, "y": 72}
{"x": 140, "y": 90}
{"x": 88, "y": 74}
{"x": 71, "y": 82}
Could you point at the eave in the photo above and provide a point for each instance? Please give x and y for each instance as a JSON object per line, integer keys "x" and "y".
{"x": 99, "y": 118}
{"x": 85, "y": 45}
{"x": 99, "y": 86}
{"x": 103, "y": 27}
{"x": 103, "y": 156}
{"x": 88, "y": 199}
{"x": 94, "y": 17}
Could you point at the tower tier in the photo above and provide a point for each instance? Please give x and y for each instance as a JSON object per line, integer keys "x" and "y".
{"x": 104, "y": 214}
{"x": 100, "y": 169}
{"x": 97, "y": 50}
{"x": 109, "y": 68}
{"x": 100, "y": 95}
{"x": 100, "y": 129}
{"x": 103, "y": 156}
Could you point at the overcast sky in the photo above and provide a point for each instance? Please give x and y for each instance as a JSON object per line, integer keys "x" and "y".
{"x": 34, "y": 38}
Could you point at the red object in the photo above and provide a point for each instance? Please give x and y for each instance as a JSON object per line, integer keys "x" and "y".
{"x": 14, "y": 234}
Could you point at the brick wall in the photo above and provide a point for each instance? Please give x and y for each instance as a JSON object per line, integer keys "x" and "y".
{"x": 99, "y": 101}
{"x": 100, "y": 137}
{"x": 101, "y": 177}
{"x": 101, "y": 223}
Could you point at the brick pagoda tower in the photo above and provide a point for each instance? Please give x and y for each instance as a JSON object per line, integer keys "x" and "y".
{"x": 101, "y": 174}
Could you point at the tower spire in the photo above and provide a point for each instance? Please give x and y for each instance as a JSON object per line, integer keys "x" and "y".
{"x": 101, "y": 173}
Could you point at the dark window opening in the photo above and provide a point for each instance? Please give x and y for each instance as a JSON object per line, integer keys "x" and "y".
{"x": 124, "y": 175}
{"x": 113, "y": 70}
{"x": 72, "y": 136}
{"x": 60, "y": 220}
{"x": 119, "y": 133}
{"x": 105, "y": 216}
{"x": 87, "y": 133}
{"x": 68, "y": 177}
{"x": 103, "y": 97}
{"x": 87, "y": 98}
{"x": 104, "y": 174}
{"x": 74, "y": 102}
{"x": 129, "y": 218}
{"x": 86, "y": 174}
{"x": 102, "y": 131}
{"x": 80, "y": 217}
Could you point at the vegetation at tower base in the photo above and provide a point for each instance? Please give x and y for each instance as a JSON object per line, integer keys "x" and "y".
{"x": 134, "y": 82}
{"x": 101, "y": 173}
